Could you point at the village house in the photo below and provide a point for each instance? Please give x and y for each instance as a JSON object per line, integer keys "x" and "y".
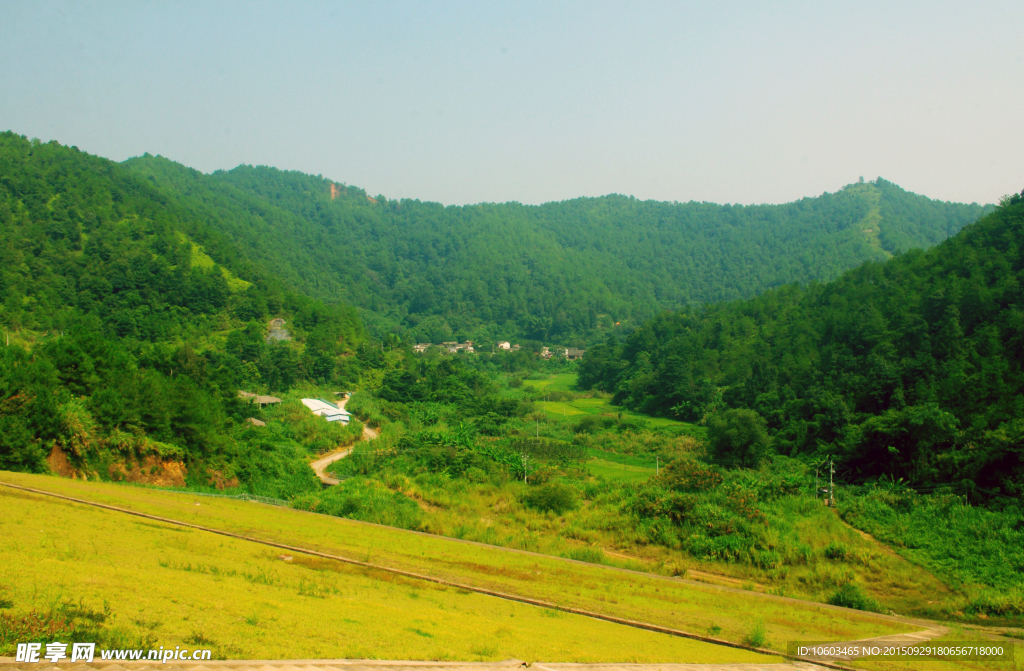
{"x": 571, "y": 353}
{"x": 504, "y": 344}
{"x": 327, "y": 410}
{"x": 420, "y": 348}
{"x": 262, "y": 401}
{"x": 545, "y": 353}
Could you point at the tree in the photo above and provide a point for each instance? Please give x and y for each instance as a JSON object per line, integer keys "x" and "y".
{"x": 737, "y": 437}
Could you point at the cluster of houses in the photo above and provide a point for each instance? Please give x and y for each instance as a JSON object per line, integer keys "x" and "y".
{"x": 570, "y": 353}
{"x": 452, "y": 346}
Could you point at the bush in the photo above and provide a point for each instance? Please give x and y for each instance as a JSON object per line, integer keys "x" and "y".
{"x": 590, "y": 555}
{"x": 850, "y": 595}
{"x": 687, "y": 475}
{"x": 998, "y": 603}
{"x": 362, "y": 499}
{"x": 553, "y": 496}
{"x": 766, "y": 559}
{"x": 758, "y": 635}
{"x": 836, "y": 550}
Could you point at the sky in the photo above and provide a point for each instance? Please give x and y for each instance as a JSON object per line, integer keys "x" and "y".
{"x": 466, "y": 102}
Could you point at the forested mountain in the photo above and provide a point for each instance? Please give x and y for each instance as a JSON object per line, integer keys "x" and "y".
{"x": 129, "y": 325}
{"x": 912, "y": 368}
{"x": 561, "y": 271}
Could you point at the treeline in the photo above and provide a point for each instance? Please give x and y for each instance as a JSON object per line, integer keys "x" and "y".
{"x": 130, "y": 325}
{"x": 909, "y": 369}
{"x": 563, "y": 272}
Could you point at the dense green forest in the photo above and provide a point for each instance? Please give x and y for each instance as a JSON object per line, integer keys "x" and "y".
{"x": 562, "y": 272}
{"x": 130, "y": 326}
{"x": 909, "y": 369}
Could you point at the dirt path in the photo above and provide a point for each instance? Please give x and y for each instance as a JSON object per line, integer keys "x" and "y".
{"x": 322, "y": 463}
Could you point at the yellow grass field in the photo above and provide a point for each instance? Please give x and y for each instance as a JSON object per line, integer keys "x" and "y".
{"x": 182, "y": 585}
{"x": 243, "y": 600}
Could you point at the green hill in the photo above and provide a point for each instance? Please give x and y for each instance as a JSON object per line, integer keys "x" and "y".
{"x": 909, "y": 369}
{"x": 130, "y": 325}
{"x": 559, "y": 271}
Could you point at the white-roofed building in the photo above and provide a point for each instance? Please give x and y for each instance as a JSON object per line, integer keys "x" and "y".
{"x": 327, "y": 410}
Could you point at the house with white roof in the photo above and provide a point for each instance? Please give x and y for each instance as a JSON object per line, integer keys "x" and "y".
{"x": 327, "y": 410}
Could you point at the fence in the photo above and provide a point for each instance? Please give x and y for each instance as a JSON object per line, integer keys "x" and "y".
{"x": 237, "y": 497}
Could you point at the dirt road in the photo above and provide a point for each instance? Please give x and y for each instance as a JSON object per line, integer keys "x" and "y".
{"x": 322, "y": 463}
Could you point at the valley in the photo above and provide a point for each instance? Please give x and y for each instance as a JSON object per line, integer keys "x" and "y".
{"x": 658, "y": 500}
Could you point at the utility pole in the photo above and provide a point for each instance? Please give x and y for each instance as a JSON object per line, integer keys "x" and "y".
{"x": 831, "y": 489}
{"x": 657, "y": 465}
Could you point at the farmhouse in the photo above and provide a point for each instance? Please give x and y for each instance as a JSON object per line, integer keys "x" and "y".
{"x": 327, "y": 410}
{"x": 572, "y": 353}
{"x": 262, "y": 401}
{"x": 420, "y": 348}
{"x": 504, "y": 344}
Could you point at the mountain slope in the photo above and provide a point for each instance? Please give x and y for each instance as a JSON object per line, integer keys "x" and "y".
{"x": 556, "y": 271}
{"x": 130, "y": 325}
{"x": 913, "y": 368}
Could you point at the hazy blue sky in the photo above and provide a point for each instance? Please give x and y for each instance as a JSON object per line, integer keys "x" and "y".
{"x": 487, "y": 101}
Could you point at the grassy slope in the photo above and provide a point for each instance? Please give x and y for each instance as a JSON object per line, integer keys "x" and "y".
{"x": 492, "y": 515}
{"x": 182, "y": 586}
{"x": 672, "y": 603}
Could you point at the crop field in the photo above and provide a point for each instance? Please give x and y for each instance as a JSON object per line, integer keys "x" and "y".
{"x": 599, "y": 405}
{"x": 613, "y": 471}
{"x": 612, "y": 466}
{"x": 178, "y": 585}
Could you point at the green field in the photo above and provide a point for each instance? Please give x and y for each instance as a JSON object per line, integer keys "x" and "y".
{"x": 599, "y": 405}
{"x": 614, "y": 471}
{"x": 612, "y": 466}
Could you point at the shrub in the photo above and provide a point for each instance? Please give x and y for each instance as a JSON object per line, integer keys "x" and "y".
{"x": 686, "y": 475}
{"x": 836, "y": 550}
{"x": 362, "y": 499}
{"x": 758, "y": 635}
{"x": 997, "y": 602}
{"x": 657, "y": 503}
{"x": 553, "y": 496}
{"x": 766, "y": 559}
{"x": 850, "y": 595}
{"x": 591, "y": 555}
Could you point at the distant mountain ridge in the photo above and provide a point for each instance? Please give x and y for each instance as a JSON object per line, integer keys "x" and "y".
{"x": 564, "y": 271}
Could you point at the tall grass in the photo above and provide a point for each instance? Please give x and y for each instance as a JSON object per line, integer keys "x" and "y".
{"x": 966, "y": 545}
